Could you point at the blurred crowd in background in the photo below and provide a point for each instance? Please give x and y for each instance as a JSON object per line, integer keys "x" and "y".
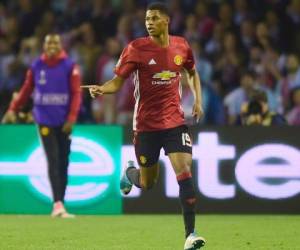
{"x": 239, "y": 46}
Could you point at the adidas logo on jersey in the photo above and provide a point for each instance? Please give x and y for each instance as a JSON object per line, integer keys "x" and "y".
{"x": 151, "y": 62}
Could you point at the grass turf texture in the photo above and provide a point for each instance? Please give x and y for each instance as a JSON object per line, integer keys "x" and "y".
{"x": 148, "y": 232}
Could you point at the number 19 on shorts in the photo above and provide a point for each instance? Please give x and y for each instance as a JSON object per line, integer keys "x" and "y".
{"x": 186, "y": 140}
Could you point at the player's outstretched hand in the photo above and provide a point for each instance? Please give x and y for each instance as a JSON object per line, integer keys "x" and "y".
{"x": 95, "y": 90}
{"x": 9, "y": 117}
{"x": 197, "y": 112}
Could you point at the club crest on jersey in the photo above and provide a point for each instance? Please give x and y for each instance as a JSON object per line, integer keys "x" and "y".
{"x": 165, "y": 75}
{"x": 178, "y": 60}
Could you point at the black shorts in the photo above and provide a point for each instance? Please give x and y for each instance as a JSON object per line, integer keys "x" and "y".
{"x": 148, "y": 144}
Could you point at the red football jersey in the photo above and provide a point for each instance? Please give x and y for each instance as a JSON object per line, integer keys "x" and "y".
{"x": 157, "y": 81}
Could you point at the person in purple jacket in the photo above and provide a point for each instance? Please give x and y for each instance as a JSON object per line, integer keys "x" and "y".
{"x": 53, "y": 81}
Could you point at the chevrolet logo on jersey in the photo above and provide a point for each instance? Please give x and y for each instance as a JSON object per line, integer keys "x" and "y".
{"x": 165, "y": 75}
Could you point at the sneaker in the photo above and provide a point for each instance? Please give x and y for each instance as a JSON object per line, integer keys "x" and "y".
{"x": 194, "y": 242}
{"x": 125, "y": 183}
{"x": 66, "y": 215}
{"x": 60, "y": 211}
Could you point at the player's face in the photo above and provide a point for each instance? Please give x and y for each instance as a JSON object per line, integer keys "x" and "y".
{"x": 156, "y": 22}
{"x": 52, "y": 45}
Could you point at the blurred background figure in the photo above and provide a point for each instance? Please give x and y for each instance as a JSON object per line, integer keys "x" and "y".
{"x": 256, "y": 112}
{"x": 293, "y": 115}
{"x": 233, "y": 100}
{"x": 104, "y": 107}
{"x": 53, "y": 80}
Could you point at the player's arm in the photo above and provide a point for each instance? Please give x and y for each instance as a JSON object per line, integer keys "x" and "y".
{"x": 21, "y": 100}
{"x": 193, "y": 80}
{"x": 112, "y": 86}
{"x": 75, "y": 93}
{"x": 109, "y": 87}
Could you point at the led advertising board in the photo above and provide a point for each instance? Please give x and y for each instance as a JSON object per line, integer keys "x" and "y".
{"x": 235, "y": 170}
{"x": 94, "y": 171}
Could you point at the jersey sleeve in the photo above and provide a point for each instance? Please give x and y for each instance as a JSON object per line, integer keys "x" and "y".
{"x": 75, "y": 81}
{"x": 189, "y": 63}
{"x": 24, "y": 93}
{"x": 127, "y": 63}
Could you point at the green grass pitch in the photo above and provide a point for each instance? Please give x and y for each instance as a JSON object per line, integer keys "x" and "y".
{"x": 148, "y": 232}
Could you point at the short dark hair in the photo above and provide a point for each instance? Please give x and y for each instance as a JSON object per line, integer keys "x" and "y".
{"x": 161, "y": 7}
{"x": 258, "y": 95}
{"x": 256, "y": 98}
